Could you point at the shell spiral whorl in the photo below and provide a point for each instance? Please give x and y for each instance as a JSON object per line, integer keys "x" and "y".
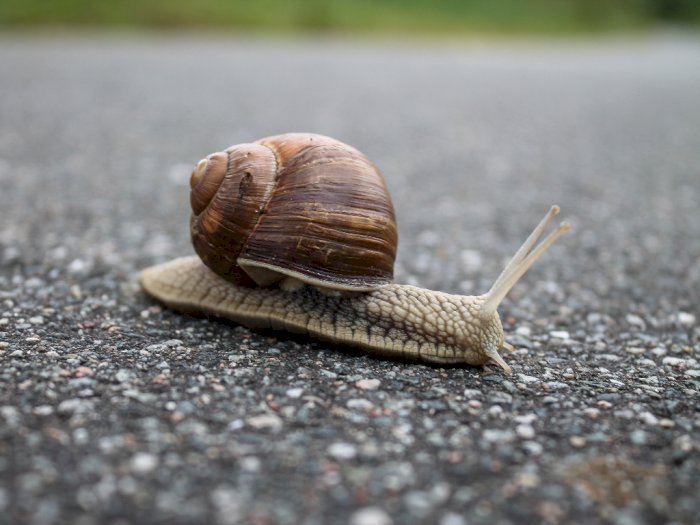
{"x": 298, "y": 205}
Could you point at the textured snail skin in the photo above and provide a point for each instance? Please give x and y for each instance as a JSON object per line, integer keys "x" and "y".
{"x": 395, "y": 320}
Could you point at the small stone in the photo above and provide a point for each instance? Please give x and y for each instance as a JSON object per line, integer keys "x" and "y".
{"x": 500, "y": 397}
{"x": 143, "y": 463}
{"x": 83, "y": 371}
{"x": 509, "y": 386}
{"x": 526, "y": 419}
{"x": 43, "y": 410}
{"x": 613, "y": 397}
{"x": 533, "y": 448}
{"x": 452, "y": 518}
{"x": 635, "y": 320}
{"x": 236, "y": 424}
{"x": 594, "y": 318}
{"x": 360, "y": 404}
{"x": 81, "y": 436}
{"x": 265, "y": 421}
{"x": 342, "y": 451}
{"x": 123, "y": 375}
{"x": 33, "y": 282}
{"x": 494, "y": 435}
{"x": 528, "y": 480}
{"x": 370, "y": 516}
{"x": 10, "y": 413}
{"x": 666, "y": 423}
{"x": 440, "y": 493}
{"x": 649, "y": 418}
{"x": 550, "y": 512}
{"x": 560, "y": 334}
{"x": 624, "y": 414}
{"x": 635, "y": 350}
{"x": 79, "y": 406}
{"x": 673, "y": 361}
{"x": 591, "y": 412}
{"x": 474, "y": 403}
{"x": 471, "y": 260}
{"x": 528, "y": 379}
{"x": 250, "y": 464}
{"x": 77, "y": 266}
{"x": 470, "y": 393}
{"x": 368, "y": 384}
{"x": 76, "y": 292}
{"x": 495, "y": 410}
{"x": 556, "y": 385}
{"x": 525, "y": 431}
{"x": 525, "y": 331}
{"x": 638, "y": 437}
{"x": 686, "y": 319}
{"x": 294, "y": 393}
{"x": 36, "y": 319}
{"x": 4, "y": 345}
{"x": 227, "y": 503}
{"x": 577, "y": 441}
{"x": 418, "y": 503}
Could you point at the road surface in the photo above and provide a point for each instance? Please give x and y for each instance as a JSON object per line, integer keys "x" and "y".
{"x": 115, "y": 410}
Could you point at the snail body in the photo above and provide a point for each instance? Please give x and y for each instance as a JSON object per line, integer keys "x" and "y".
{"x": 333, "y": 283}
{"x": 395, "y": 320}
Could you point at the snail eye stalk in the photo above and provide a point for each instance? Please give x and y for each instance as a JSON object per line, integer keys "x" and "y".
{"x": 521, "y": 262}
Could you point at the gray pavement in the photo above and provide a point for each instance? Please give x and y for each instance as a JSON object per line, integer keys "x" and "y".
{"x": 115, "y": 410}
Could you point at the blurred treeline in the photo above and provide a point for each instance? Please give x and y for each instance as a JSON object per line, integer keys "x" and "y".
{"x": 353, "y": 16}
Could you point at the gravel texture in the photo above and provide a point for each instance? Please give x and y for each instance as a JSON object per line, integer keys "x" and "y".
{"x": 115, "y": 410}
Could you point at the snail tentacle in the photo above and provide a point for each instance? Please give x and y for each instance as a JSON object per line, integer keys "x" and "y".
{"x": 521, "y": 262}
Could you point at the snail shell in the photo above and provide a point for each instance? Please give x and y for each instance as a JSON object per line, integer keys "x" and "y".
{"x": 299, "y": 206}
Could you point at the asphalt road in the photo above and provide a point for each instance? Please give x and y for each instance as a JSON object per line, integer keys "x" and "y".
{"x": 115, "y": 410}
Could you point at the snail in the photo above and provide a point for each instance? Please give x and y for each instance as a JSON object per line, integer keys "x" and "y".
{"x": 297, "y": 232}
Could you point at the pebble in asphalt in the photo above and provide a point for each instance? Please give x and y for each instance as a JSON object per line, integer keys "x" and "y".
{"x": 115, "y": 410}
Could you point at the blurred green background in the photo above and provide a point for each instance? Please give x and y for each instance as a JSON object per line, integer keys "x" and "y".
{"x": 431, "y": 17}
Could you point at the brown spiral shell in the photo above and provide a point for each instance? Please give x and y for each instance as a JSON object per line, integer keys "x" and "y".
{"x": 298, "y": 205}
